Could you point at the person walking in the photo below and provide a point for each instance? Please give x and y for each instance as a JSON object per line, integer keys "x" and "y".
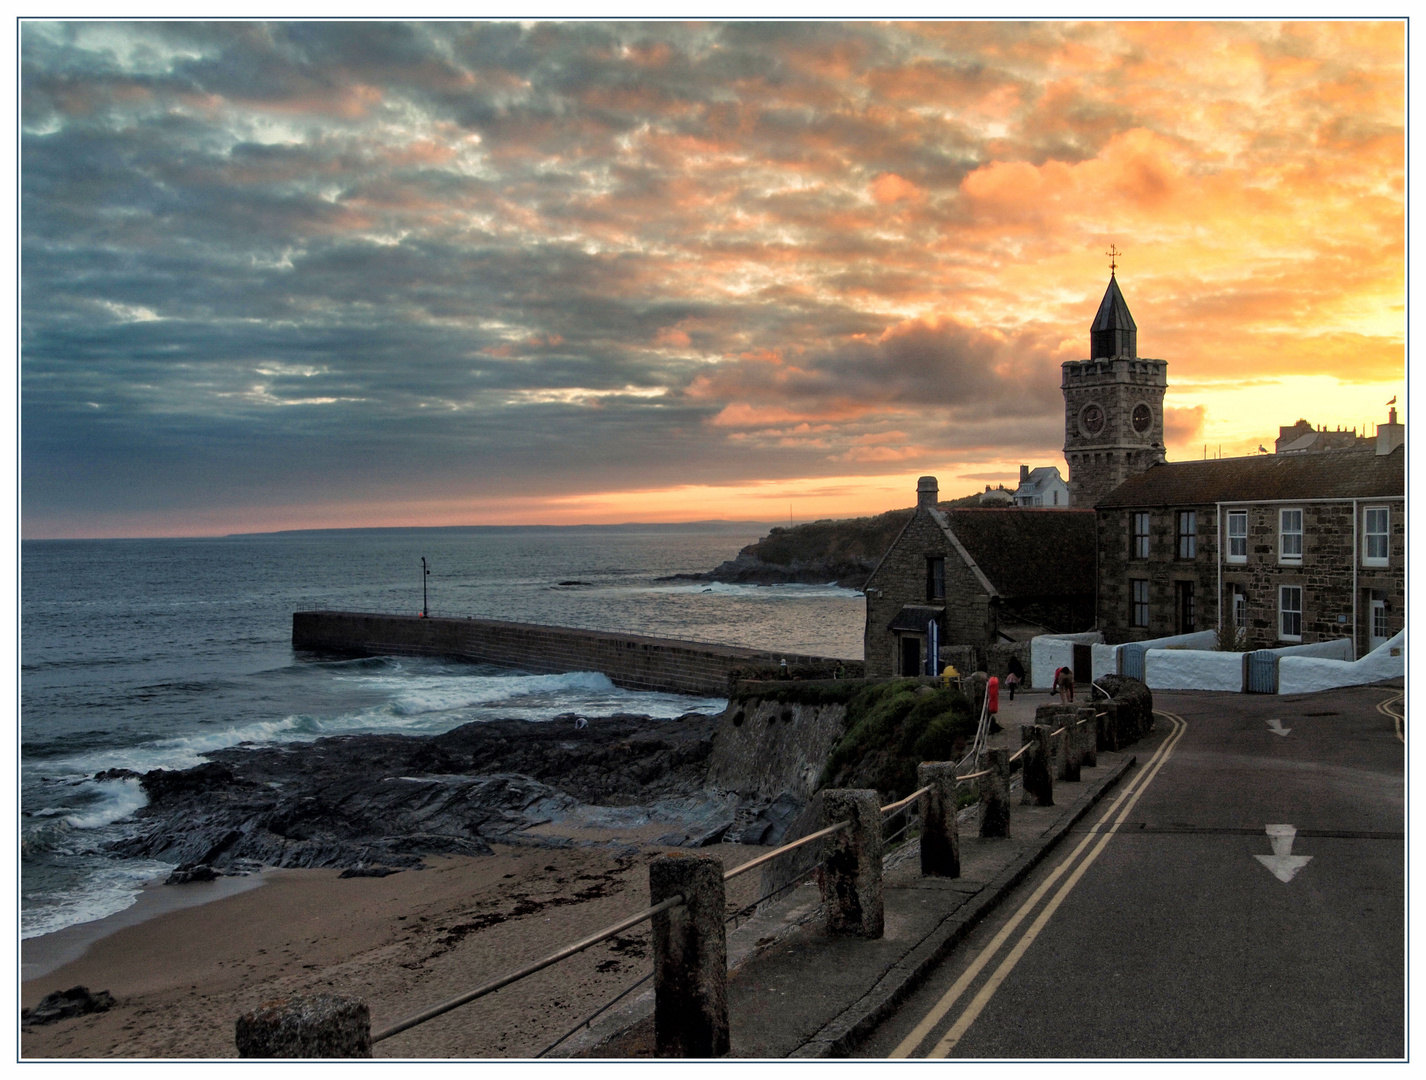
{"x": 1016, "y": 675}
{"x": 992, "y": 696}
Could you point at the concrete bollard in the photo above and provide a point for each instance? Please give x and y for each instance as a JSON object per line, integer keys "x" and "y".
{"x": 851, "y": 872}
{"x": 1052, "y": 717}
{"x": 690, "y": 958}
{"x": 316, "y": 1026}
{"x": 940, "y": 839}
{"x": 1088, "y": 736}
{"x": 995, "y": 794}
{"x": 1036, "y": 775}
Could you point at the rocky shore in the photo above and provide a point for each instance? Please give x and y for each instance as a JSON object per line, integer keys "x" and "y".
{"x": 371, "y": 804}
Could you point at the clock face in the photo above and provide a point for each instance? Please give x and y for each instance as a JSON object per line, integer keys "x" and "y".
{"x": 1143, "y": 418}
{"x": 1091, "y": 419}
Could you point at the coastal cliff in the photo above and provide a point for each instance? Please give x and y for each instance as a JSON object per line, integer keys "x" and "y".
{"x": 844, "y": 552}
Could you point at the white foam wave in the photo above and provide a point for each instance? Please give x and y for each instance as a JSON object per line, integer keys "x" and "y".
{"x": 421, "y": 704}
{"x": 108, "y": 889}
{"x": 116, "y": 800}
{"x": 417, "y": 695}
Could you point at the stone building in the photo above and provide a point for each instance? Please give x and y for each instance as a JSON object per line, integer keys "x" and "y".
{"x": 1114, "y": 405}
{"x": 983, "y": 576}
{"x": 1293, "y": 548}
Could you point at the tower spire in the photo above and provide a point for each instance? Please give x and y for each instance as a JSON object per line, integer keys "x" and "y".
{"x": 1113, "y": 254}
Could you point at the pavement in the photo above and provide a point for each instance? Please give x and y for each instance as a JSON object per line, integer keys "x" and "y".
{"x": 795, "y": 991}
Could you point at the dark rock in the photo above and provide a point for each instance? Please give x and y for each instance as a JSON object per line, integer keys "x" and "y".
{"x": 192, "y": 872}
{"x": 76, "y": 1001}
{"x": 163, "y": 783}
{"x": 117, "y": 774}
{"x": 368, "y": 871}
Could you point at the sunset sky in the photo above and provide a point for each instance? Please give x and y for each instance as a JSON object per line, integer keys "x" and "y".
{"x": 283, "y": 276}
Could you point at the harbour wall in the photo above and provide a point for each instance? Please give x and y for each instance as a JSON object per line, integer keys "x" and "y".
{"x": 632, "y": 661}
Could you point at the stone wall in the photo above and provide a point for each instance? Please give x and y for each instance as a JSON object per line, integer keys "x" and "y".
{"x": 629, "y": 660}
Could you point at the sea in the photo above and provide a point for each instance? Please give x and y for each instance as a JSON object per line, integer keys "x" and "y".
{"x": 144, "y": 654}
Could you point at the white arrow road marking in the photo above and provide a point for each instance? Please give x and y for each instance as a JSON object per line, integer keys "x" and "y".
{"x": 1282, "y": 862}
{"x": 1275, "y": 726}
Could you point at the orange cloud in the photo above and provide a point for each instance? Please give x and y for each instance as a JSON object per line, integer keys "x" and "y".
{"x": 889, "y": 188}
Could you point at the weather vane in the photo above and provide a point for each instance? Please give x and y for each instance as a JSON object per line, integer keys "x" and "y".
{"x": 1113, "y": 254}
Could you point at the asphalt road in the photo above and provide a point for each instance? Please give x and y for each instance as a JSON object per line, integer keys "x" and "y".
{"x": 1168, "y": 937}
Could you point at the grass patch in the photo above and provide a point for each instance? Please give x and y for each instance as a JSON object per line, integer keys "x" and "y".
{"x": 892, "y": 726}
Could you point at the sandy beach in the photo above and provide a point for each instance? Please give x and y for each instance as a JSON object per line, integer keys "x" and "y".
{"x": 402, "y": 943}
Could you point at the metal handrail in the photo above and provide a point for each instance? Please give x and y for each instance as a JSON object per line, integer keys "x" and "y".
{"x": 729, "y": 875}
{"x": 529, "y": 969}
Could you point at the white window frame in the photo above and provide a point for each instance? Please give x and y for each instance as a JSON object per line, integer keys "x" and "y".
{"x": 1238, "y": 608}
{"x": 1284, "y": 612}
{"x": 1236, "y": 539}
{"x": 1141, "y": 550}
{"x": 1187, "y": 545}
{"x": 1284, "y": 534}
{"x": 1135, "y": 603}
{"x": 1384, "y": 536}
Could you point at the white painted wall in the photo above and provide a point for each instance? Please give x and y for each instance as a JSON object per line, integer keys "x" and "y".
{"x": 1105, "y": 659}
{"x": 1335, "y": 649}
{"x": 1051, "y": 651}
{"x": 1307, "y": 674}
{"x": 1193, "y": 669}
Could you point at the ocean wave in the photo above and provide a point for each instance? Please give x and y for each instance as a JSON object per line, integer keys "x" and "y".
{"x": 109, "y": 886}
{"x": 789, "y": 591}
{"x": 415, "y": 704}
{"x": 115, "y": 801}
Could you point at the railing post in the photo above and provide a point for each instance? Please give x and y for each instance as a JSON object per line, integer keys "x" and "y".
{"x": 316, "y": 1026}
{"x": 1108, "y": 722}
{"x": 1037, "y": 778}
{"x": 1088, "y": 736}
{"x": 1072, "y": 748}
{"x": 940, "y": 840}
{"x": 995, "y": 794}
{"x": 690, "y": 958}
{"x": 851, "y": 872}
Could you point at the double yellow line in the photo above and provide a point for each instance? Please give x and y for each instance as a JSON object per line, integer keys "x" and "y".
{"x": 1386, "y": 709}
{"x": 1122, "y": 805}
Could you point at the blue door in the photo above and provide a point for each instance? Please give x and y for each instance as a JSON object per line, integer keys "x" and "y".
{"x": 1262, "y": 672}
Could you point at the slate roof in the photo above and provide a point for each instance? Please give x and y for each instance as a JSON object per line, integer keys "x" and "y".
{"x": 1038, "y": 480}
{"x": 1113, "y": 311}
{"x": 1027, "y": 552}
{"x": 1330, "y": 474}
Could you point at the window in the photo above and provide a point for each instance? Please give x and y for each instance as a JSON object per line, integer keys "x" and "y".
{"x": 1374, "y": 551}
{"x": 1141, "y": 536}
{"x": 1238, "y": 609}
{"x": 1237, "y": 536}
{"x": 1380, "y": 630}
{"x": 1187, "y": 534}
{"x": 1139, "y": 609}
{"x": 1289, "y": 536}
{"x": 1187, "y": 621}
{"x": 1289, "y": 610}
{"x": 935, "y": 577}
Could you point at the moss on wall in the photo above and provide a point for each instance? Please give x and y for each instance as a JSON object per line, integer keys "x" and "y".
{"x": 891, "y": 727}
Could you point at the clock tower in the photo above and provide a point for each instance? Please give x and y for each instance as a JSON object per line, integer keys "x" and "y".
{"x": 1114, "y": 405}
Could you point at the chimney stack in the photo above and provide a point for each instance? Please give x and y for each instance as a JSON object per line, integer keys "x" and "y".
{"x": 1024, "y": 473}
{"x": 926, "y": 491}
{"x": 1389, "y": 435}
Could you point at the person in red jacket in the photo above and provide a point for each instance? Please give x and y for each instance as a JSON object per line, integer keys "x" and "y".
{"x": 992, "y": 696}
